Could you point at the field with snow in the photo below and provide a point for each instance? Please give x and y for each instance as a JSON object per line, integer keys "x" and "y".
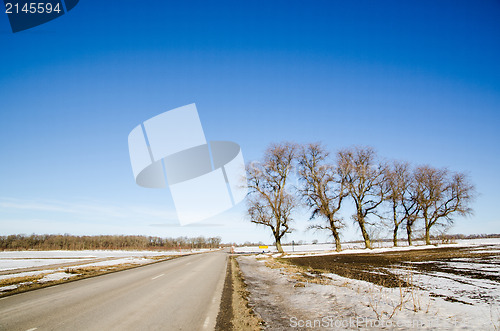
{"x": 454, "y": 286}
{"x": 356, "y": 247}
{"x": 12, "y": 260}
{"x": 27, "y": 268}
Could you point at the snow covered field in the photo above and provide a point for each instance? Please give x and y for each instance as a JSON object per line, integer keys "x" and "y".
{"x": 12, "y": 260}
{"x": 45, "y": 266}
{"x": 454, "y": 287}
{"x": 358, "y": 247}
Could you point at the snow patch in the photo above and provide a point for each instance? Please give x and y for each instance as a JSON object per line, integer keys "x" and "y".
{"x": 56, "y": 276}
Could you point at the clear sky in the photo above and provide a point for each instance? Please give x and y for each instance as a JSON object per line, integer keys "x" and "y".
{"x": 418, "y": 81}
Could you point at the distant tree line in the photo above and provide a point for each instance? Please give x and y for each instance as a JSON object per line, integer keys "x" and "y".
{"x": 70, "y": 242}
{"x": 467, "y": 236}
{"x": 382, "y": 192}
{"x": 441, "y": 236}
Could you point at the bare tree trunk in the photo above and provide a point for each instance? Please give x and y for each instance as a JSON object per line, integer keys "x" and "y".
{"x": 336, "y": 235}
{"x": 278, "y": 245}
{"x": 395, "y": 236}
{"x": 366, "y": 237}
{"x": 396, "y": 226}
{"x": 427, "y": 230}
{"x": 408, "y": 231}
{"x": 427, "y": 235}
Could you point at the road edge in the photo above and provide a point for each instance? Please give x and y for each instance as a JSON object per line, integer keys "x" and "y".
{"x": 235, "y": 313}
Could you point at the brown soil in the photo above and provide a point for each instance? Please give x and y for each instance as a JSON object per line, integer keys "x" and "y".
{"x": 376, "y": 267}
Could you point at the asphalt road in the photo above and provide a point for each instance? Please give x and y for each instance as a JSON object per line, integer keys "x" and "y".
{"x": 180, "y": 294}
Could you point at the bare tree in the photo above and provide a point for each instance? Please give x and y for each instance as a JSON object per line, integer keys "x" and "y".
{"x": 442, "y": 195}
{"x": 399, "y": 184}
{"x": 410, "y": 206}
{"x": 364, "y": 178}
{"x": 214, "y": 242}
{"x": 322, "y": 188}
{"x": 269, "y": 202}
{"x": 412, "y": 215}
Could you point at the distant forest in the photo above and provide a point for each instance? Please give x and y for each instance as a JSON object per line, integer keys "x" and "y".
{"x": 70, "y": 242}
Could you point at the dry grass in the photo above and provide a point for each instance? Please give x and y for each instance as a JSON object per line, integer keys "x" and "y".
{"x": 300, "y": 274}
{"x": 244, "y": 317}
{"x": 96, "y": 270}
{"x": 160, "y": 257}
{"x": 85, "y": 270}
{"x": 24, "y": 286}
{"x": 18, "y": 280}
{"x": 495, "y": 317}
{"x": 410, "y": 297}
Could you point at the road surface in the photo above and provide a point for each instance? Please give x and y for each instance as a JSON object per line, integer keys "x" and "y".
{"x": 180, "y": 294}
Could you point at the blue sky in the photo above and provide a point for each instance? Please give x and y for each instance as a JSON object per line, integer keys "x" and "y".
{"x": 417, "y": 81}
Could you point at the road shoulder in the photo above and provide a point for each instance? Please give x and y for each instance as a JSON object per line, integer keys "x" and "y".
{"x": 235, "y": 312}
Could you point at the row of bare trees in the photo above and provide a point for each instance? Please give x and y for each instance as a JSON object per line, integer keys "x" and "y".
{"x": 380, "y": 191}
{"x": 70, "y": 242}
